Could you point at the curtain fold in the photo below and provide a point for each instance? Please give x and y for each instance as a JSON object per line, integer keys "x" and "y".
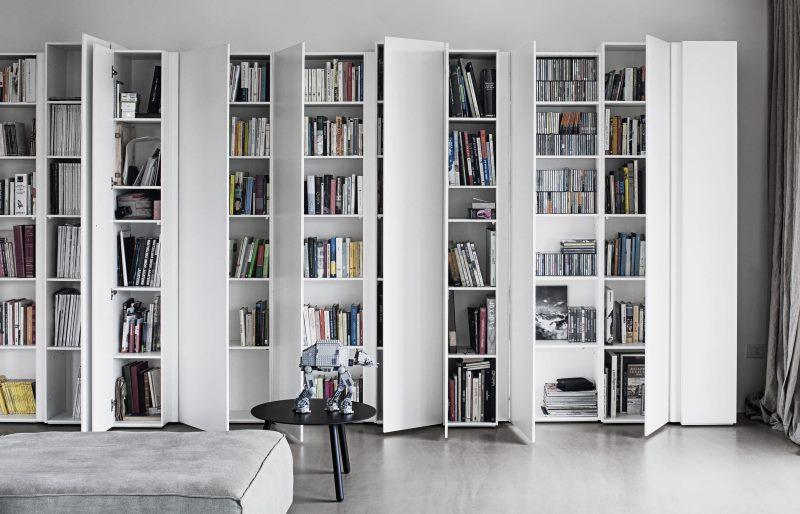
{"x": 779, "y": 404}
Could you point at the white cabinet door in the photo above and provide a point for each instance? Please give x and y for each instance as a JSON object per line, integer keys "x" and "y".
{"x": 104, "y": 258}
{"x": 413, "y": 231}
{"x": 657, "y": 233}
{"x": 202, "y": 241}
{"x": 287, "y": 208}
{"x": 707, "y": 231}
{"x": 522, "y": 243}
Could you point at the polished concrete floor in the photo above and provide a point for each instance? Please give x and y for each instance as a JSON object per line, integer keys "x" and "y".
{"x": 571, "y": 468}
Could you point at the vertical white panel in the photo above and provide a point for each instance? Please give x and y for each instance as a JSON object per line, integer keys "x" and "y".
{"x": 40, "y": 271}
{"x": 104, "y": 259}
{"x": 203, "y": 210}
{"x": 413, "y": 320}
{"x": 657, "y": 233}
{"x": 708, "y": 233}
{"x": 522, "y": 243}
{"x": 675, "y": 231}
{"x": 370, "y": 267}
{"x": 287, "y": 209}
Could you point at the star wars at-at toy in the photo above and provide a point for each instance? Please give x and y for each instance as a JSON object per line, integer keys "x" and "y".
{"x": 329, "y": 355}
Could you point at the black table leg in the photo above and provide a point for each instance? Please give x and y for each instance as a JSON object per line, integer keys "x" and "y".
{"x": 337, "y": 463}
{"x": 267, "y": 425}
{"x": 345, "y": 453}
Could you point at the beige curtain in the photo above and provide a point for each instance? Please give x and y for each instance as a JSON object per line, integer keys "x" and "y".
{"x": 779, "y": 404}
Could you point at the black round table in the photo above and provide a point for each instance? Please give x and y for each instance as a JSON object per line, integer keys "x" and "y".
{"x": 282, "y": 411}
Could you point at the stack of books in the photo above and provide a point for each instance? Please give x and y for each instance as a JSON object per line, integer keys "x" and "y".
{"x": 142, "y": 384}
{"x": 17, "y": 323}
{"x": 343, "y": 136}
{"x": 68, "y": 252}
{"x": 625, "y": 321}
{"x": 467, "y": 98}
{"x": 248, "y": 195}
{"x": 577, "y": 258}
{"x": 254, "y": 325}
{"x": 345, "y": 325}
{"x": 141, "y": 326}
{"x": 337, "y": 81}
{"x": 17, "y": 194}
{"x": 325, "y": 386}
{"x": 65, "y": 130}
{"x": 471, "y": 158}
{"x": 17, "y": 396}
{"x": 472, "y": 391}
{"x": 562, "y": 398}
{"x": 482, "y": 325}
{"x": 13, "y": 140}
{"x": 565, "y": 191}
{"x": 250, "y": 138}
{"x": 566, "y": 133}
{"x": 138, "y": 261}
{"x": 337, "y": 257}
{"x": 128, "y": 102}
{"x": 626, "y": 255}
{"x": 566, "y": 79}
{"x": 18, "y": 81}
{"x": 625, "y": 190}
{"x": 627, "y": 84}
{"x": 328, "y": 194}
{"x": 65, "y": 188}
{"x": 625, "y": 135}
{"x": 248, "y": 82}
{"x": 582, "y": 325}
{"x": 625, "y": 381}
{"x": 18, "y": 252}
{"x": 465, "y": 268}
{"x": 67, "y": 318}
{"x": 249, "y": 258}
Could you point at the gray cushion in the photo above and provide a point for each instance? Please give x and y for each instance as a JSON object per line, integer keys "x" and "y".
{"x": 197, "y": 472}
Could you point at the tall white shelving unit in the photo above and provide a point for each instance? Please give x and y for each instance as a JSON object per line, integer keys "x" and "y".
{"x": 135, "y": 69}
{"x": 25, "y": 362}
{"x": 378, "y": 230}
{"x": 292, "y": 226}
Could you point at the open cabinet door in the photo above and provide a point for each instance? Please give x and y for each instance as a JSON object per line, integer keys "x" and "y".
{"x": 522, "y": 244}
{"x": 413, "y": 228}
{"x": 287, "y": 208}
{"x": 657, "y": 232}
{"x": 104, "y": 257}
{"x": 203, "y": 280}
{"x": 707, "y": 229}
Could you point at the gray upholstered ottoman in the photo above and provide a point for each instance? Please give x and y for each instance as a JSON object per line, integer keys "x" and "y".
{"x": 194, "y": 472}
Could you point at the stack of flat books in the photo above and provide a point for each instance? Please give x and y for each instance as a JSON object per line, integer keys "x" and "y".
{"x": 570, "y": 397}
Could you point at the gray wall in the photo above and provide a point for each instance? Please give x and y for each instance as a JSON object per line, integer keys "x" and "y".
{"x": 503, "y": 24}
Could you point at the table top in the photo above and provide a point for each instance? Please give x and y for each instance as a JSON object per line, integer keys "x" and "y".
{"x": 282, "y": 411}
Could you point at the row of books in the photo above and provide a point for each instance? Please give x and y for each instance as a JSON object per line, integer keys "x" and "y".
{"x": 337, "y": 257}
{"x": 138, "y": 261}
{"x": 550, "y": 202}
{"x": 140, "y": 205}
{"x": 625, "y": 190}
{"x": 65, "y": 188}
{"x": 254, "y": 324}
{"x": 333, "y": 322}
{"x": 573, "y": 397}
{"x": 68, "y": 251}
{"x": 18, "y": 81}
{"x": 328, "y": 194}
{"x": 472, "y": 391}
{"x": 67, "y": 318}
{"x": 141, "y": 326}
{"x": 325, "y": 387}
{"x": 566, "y": 179}
{"x": 140, "y": 390}
{"x": 566, "y": 133}
{"x": 249, "y": 257}
{"x": 17, "y": 396}
{"x": 338, "y": 137}
{"x": 127, "y": 101}
{"x": 565, "y": 265}
{"x": 248, "y": 194}
{"x": 471, "y": 158}
{"x": 14, "y": 140}
{"x": 65, "y": 130}
{"x": 625, "y": 135}
{"x": 481, "y": 325}
{"x": 625, "y": 321}
{"x": 18, "y": 252}
{"x": 626, "y": 84}
{"x": 18, "y": 194}
{"x": 467, "y": 98}
{"x": 17, "y": 322}
{"x": 149, "y": 175}
{"x": 626, "y": 255}
{"x": 464, "y": 264}
{"x": 581, "y": 324}
{"x": 248, "y": 82}
{"x": 250, "y": 138}
{"x": 566, "y": 79}
{"x": 337, "y": 81}
{"x": 566, "y": 191}
{"x": 624, "y": 382}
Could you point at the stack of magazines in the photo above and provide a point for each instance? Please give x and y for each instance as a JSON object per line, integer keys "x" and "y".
{"x": 570, "y": 397}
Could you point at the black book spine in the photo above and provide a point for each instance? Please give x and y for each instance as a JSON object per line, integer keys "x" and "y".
{"x": 154, "y": 105}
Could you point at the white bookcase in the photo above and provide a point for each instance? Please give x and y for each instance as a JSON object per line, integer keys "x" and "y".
{"x": 293, "y": 226}
{"x": 135, "y": 69}
{"x": 26, "y": 362}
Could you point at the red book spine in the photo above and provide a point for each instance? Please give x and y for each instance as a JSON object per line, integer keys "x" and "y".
{"x": 451, "y": 395}
{"x": 29, "y": 238}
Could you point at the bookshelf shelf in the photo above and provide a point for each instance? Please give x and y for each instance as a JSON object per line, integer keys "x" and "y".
{"x": 139, "y": 422}
{"x": 470, "y": 356}
{"x": 471, "y": 424}
{"x": 17, "y": 347}
{"x": 642, "y": 157}
{"x": 252, "y": 279}
{"x": 64, "y": 102}
{"x": 624, "y": 419}
{"x": 137, "y": 222}
{"x": 137, "y": 120}
{"x": 62, "y": 216}
{"x": 249, "y": 157}
{"x": 565, "y": 278}
{"x": 249, "y": 104}
{"x": 63, "y": 418}
{"x": 456, "y": 119}
{"x": 17, "y": 418}
{"x": 136, "y": 188}
{"x": 248, "y": 216}
{"x": 567, "y": 104}
{"x": 333, "y": 216}
{"x": 236, "y": 347}
{"x": 570, "y": 157}
{"x": 560, "y": 345}
{"x": 625, "y": 103}
{"x": 457, "y": 220}
{"x": 345, "y": 279}
{"x": 545, "y": 418}
{"x": 17, "y": 157}
{"x": 333, "y": 157}
{"x": 135, "y": 289}
{"x": 138, "y": 356}
{"x": 63, "y": 279}
{"x": 63, "y": 348}
{"x": 460, "y": 288}
{"x": 624, "y": 279}
{"x": 65, "y": 157}
{"x": 472, "y": 187}
{"x": 564, "y": 216}
{"x": 17, "y": 104}
{"x": 623, "y": 347}
{"x": 17, "y": 279}
{"x": 625, "y": 216}
{"x": 17, "y": 216}
{"x": 334, "y": 104}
